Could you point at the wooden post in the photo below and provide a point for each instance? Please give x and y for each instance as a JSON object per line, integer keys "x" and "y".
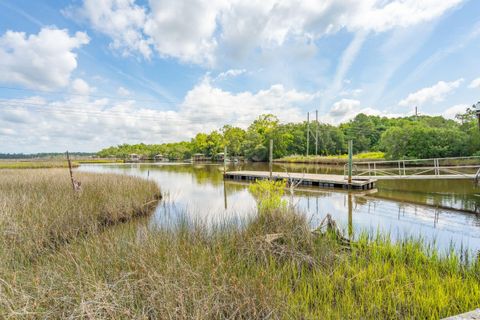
{"x": 70, "y": 170}
{"x": 350, "y": 162}
{"x": 271, "y": 157}
{"x": 350, "y": 217}
{"x": 224, "y": 160}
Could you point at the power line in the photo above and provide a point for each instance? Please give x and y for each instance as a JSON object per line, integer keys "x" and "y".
{"x": 66, "y": 93}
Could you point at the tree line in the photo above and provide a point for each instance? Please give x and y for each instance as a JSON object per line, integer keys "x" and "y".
{"x": 400, "y": 138}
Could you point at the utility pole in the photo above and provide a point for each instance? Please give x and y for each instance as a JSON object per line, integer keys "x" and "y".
{"x": 316, "y": 132}
{"x": 308, "y": 130}
{"x": 477, "y": 107}
{"x": 416, "y": 113}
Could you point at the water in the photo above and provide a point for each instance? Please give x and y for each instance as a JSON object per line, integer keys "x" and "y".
{"x": 437, "y": 211}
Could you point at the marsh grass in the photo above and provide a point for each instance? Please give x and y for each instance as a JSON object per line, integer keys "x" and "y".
{"x": 189, "y": 271}
{"x": 333, "y": 159}
{"x": 36, "y": 164}
{"x": 40, "y": 211}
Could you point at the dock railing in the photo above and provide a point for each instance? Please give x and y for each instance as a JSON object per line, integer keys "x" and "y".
{"x": 467, "y": 167}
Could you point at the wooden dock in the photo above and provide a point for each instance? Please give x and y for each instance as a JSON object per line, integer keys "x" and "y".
{"x": 306, "y": 179}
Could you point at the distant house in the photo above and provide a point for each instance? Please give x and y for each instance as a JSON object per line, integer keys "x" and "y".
{"x": 159, "y": 157}
{"x": 220, "y": 156}
{"x": 199, "y": 157}
{"x": 134, "y": 157}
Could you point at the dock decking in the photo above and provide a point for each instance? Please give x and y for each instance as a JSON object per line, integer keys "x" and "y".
{"x": 307, "y": 179}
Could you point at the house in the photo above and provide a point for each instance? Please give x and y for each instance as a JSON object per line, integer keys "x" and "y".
{"x": 220, "y": 156}
{"x": 134, "y": 157}
{"x": 199, "y": 157}
{"x": 159, "y": 158}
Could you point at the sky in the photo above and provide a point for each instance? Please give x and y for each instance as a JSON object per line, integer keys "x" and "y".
{"x": 86, "y": 74}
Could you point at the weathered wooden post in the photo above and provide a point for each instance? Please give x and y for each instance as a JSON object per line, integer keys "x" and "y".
{"x": 270, "y": 157}
{"x": 350, "y": 162}
{"x": 70, "y": 170}
{"x": 350, "y": 217}
{"x": 224, "y": 161}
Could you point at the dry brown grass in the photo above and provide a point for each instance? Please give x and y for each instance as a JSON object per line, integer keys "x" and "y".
{"x": 39, "y": 210}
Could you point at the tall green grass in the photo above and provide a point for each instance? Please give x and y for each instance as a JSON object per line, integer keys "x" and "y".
{"x": 334, "y": 159}
{"x": 188, "y": 271}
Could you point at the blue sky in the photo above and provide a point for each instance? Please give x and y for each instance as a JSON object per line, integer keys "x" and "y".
{"x": 85, "y": 74}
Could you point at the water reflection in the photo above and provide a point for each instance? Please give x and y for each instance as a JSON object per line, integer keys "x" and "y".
{"x": 400, "y": 208}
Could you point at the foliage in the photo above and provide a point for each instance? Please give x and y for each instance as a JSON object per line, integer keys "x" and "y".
{"x": 404, "y": 137}
{"x": 268, "y": 194}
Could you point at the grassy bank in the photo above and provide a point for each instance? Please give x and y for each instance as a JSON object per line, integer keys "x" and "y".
{"x": 39, "y": 210}
{"x": 48, "y": 164}
{"x": 188, "y": 271}
{"x": 40, "y": 164}
{"x": 339, "y": 159}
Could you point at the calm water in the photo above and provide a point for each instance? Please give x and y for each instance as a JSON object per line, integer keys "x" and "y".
{"x": 440, "y": 211}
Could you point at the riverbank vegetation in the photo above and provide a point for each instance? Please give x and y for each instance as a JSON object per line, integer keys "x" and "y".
{"x": 41, "y": 164}
{"x": 47, "y": 164}
{"x": 398, "y": 138}
{"x": 339, "y": 159}
{"x": 40, "y": 211}
{"x": 187, "y": 270}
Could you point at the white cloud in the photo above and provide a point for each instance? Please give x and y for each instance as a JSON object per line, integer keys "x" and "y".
{"x": 80, "y": 86}
{"x": 451, "y": 112}
{"x": 192, "y": 31}
{"x": 344, "y": 106}
{"x": 210, "y": 107}
{"x": 230, "y": 73}
{"x": 82, "y": 123}
{"x": 123, "y": 92}
{"x": 44, "y": 60}
{"x": 435, "y": 93}
{"x": 121, "y": 20}
{"x": 347, "y": 109}
{"x": 474, "y": 84}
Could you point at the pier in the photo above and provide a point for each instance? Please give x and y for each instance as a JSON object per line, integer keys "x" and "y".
{"x": 305, "y": 179}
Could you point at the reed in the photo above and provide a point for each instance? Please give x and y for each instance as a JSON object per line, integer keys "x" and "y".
{"x": 40, "y": 211}
{"x": 334, "y": 159}
{"x": 186, "y": 270}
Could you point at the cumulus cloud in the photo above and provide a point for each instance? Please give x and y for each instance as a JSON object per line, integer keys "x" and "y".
{"x": 84, "y": 123}
{"x": 44, "y": 60}
{"x": 80, "y": 86}
{"x": 347, "y": 109}
{"x": 474, "y": 84}
{"x": 435, "y": 93}
{"x": 122, "y": 20}
{"x": 344, "y": 106}
{"x": 230, "y": 74}
{"x": 451, "y": 112}
{"x": 191, "y": 31}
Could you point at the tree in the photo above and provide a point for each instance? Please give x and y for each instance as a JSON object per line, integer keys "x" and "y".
{"x": 234, "y": 138}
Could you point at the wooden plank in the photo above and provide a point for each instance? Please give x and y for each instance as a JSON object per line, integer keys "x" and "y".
{"x": 475, "y": 314}
{"x": 321, "y": 180}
